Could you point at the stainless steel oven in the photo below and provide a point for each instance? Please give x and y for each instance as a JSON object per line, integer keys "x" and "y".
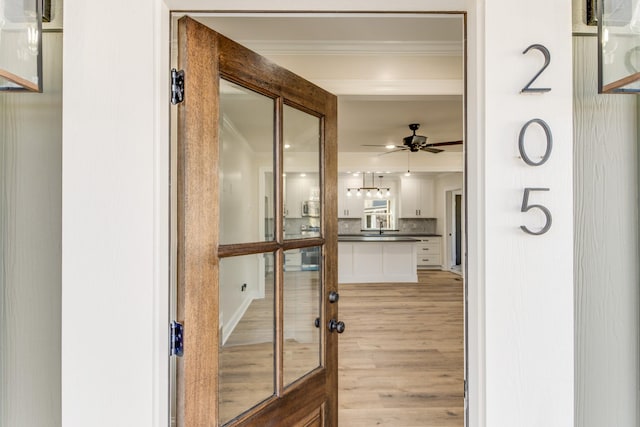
{"x": 310, "y": 258}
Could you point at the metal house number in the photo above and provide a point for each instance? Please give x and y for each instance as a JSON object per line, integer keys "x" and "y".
{"x": 549, "y": 145}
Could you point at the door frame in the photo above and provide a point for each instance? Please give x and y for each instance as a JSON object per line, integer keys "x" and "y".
{"x": 474, "y": 165}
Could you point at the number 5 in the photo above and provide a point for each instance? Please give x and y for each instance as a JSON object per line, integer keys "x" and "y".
{"x": 527, "y": 207}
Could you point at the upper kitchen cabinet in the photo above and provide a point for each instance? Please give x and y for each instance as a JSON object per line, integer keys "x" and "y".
{"x": 416, "y": 198}
{"x": 349, "y": 206}
{"x": 299, "y": 188}
{"x": 301, "y": 160}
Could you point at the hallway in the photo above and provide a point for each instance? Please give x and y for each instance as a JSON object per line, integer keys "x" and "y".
{"x": 402, "y": 356}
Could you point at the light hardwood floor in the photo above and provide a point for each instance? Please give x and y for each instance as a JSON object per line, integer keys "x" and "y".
{"x": 401, "y": 356}
{"x": 246, "y": 359}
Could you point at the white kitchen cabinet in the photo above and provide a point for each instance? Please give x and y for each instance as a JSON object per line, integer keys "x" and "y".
{"x": 292, "y": 197}
{"x": 377, "y": 262}
{"x": 298, "y": 189}
{"x": 293, "y": 260}
{"x": 428, "y": 252}
{"x": 349, "y": 206}
{"x": 416, "y": 198}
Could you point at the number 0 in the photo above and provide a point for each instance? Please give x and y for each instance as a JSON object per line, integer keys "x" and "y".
{"x": 523, "y": 151}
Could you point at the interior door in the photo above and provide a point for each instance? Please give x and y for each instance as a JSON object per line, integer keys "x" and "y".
{"x": 257, "y": 290}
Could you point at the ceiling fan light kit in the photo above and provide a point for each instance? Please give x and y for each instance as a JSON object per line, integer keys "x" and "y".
{"x": 414, "y": 142}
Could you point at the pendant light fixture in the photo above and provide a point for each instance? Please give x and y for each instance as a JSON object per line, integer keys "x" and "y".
{"x": 379, "y": 191}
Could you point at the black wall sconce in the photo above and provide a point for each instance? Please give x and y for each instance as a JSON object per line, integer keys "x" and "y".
{"x": 618, "y": 44}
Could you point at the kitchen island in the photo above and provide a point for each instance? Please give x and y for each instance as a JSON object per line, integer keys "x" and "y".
{"x": 376, "y": 259}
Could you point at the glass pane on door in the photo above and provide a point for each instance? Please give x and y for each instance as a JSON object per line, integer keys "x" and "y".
{"x": 302, "y": 320}
{"x": 246, "y": 165}
{"x": 301, "y": 138}
{"x": 247, "y": 319}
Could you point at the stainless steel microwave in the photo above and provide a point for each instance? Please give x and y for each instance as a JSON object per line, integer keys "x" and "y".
{"x": 311, "y": 208}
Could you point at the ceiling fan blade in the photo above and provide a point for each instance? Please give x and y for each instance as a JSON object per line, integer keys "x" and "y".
{"x": 431, "y": 150}
{"x": 392, "y": 151}
{"x": 442, "y": 144}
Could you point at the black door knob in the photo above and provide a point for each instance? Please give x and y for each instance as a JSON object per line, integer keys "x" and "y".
{"x": 333, "y": 296}
{"x": 317, "y": 322}
{"x": 336, "y": 326}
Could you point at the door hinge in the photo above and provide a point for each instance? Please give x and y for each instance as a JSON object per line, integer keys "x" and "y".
{"x": 176, "y": 344}
{"x": 177, "y": 86}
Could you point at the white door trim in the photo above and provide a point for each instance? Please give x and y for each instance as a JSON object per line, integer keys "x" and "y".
{"x": 475, "y": 341}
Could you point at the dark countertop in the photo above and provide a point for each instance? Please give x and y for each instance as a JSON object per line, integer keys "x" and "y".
{"x": 388, "y": 233}
{"x": 374, "y": 238}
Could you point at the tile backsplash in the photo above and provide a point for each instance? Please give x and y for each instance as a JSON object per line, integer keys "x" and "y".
{"x": 349, "y": 225}
{"x": 417, "y": 225}
{"x": 405, "y": 225}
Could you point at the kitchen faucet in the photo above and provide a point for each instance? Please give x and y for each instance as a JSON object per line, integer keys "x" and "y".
{"x": 380, "y": 222}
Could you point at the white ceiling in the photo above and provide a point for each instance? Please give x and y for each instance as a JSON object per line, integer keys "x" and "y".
{"x": 388, "y": 71}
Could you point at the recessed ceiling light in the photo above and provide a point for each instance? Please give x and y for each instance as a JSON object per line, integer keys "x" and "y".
{"x": 389, "y": 146}
{"x": 287, "y": 145}
{"x": 303, "y": 174}
{"x": 356, "y": 174}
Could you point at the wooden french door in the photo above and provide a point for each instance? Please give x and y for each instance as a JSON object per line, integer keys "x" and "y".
{"x": 257, "y": 240}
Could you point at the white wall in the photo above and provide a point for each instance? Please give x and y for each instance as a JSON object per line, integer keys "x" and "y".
{"x": 234, "y": 272}
{"x": 239, "y": 181}
{"x": 528, "y": 280}
{"x": 115, "y": 211}
{"x": 240, "y": 222}
{"x": 30, "y": 237}
{"x": 115, "y": 214}
{"x": 607, "y": 297}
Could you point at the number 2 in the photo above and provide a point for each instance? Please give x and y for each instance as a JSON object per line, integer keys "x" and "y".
{"x": 547, "y": 60}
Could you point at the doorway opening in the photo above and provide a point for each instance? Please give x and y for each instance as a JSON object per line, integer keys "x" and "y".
{"x": 369, "y": 93}
{"x": 454, "y": 230}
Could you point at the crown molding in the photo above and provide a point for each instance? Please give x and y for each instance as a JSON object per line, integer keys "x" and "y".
{"x": 347, "y": 47}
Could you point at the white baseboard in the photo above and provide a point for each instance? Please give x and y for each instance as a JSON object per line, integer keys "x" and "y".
{"x": 227, "y": 328}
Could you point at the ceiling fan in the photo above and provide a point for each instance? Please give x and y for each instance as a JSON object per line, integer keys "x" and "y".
{"x": 415, "y": 143}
